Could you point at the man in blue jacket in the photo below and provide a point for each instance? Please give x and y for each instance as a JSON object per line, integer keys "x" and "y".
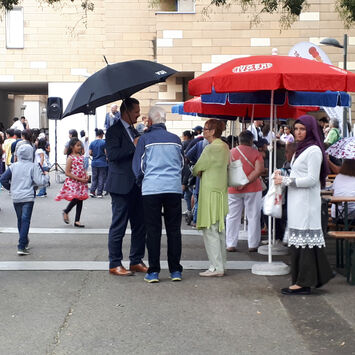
{"x": 157, "y": 165}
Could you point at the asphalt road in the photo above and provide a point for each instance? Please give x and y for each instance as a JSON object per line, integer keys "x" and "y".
{"x": 93, "y": 312}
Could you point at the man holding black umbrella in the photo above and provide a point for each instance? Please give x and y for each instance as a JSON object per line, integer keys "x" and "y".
{"x": 121, "y": 139}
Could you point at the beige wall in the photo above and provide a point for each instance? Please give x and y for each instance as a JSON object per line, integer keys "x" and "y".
{"x": 124, "y": 30}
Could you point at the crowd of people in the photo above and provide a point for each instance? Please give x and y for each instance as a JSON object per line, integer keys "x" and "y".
{"x": 146, "y": 170}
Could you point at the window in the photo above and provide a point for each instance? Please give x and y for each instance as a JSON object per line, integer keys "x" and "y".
{"x": 14, "y": 28}
{"x": 177, "y": 6}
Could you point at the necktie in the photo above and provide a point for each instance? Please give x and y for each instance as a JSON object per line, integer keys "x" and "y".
{"x": 134, "y": 132}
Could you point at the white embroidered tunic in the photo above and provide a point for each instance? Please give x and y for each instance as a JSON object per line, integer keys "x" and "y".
{"x": 304, "y": 227}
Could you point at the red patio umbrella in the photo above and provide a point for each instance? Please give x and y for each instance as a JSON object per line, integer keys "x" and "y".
{"x": 271, "y": 73}
{"x": 241, "y": 110}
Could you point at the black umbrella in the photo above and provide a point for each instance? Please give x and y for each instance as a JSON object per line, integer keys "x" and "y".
{"x": 115, "y": 82}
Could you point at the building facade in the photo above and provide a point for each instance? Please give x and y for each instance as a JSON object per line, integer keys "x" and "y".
{"x": 50, "y": 50}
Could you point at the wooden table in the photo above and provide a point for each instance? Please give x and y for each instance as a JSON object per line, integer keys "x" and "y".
{"x": 340, "y": 242}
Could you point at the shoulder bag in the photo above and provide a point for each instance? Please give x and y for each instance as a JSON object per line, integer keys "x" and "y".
{"x": 236, "y": 174}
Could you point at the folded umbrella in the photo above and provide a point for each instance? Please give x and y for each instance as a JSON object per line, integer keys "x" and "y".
{"x": 115, "y": 82}
{"x": 343, "y": 149}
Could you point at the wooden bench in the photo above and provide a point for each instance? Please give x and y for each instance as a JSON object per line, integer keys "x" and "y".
{"x": 349, "y": 238}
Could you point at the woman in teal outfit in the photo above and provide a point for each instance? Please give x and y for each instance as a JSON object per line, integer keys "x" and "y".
{"x": 213, "y": 198}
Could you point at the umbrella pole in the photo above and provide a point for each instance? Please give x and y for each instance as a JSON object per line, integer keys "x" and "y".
{"x": 270, "y": 172}
{"x": 270, "y": 268}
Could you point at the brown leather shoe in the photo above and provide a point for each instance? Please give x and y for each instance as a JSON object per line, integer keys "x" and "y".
{"x": 120, "y": 271}
{"x": 139, "y": 268}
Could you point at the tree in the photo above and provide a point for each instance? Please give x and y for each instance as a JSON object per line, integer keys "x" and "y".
{"x": 290, "y": 9}
{"x": 87, "y": 5}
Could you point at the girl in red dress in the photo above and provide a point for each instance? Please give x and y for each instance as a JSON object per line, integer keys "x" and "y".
{"x": 75, "y": 188}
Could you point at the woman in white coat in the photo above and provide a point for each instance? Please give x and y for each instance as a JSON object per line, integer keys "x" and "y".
{"x": 309, "y": 264}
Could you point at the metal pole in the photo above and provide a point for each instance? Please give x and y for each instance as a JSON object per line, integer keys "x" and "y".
{"x": 345, "y": 109}
{"x": 270, "y": 170}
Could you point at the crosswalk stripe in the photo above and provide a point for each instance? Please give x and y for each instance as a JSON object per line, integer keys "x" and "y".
{"x": 98, "y": 231}
{"x": 103, "y": 265}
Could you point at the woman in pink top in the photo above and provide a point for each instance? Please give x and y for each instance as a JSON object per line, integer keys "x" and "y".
{"x": 248, "y": 196}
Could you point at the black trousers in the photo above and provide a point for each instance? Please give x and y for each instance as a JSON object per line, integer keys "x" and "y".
{"x": 126, "y": 207}
{"x": 79, "y": 207}
{"x": 310, "y": 267}
{"x": 171, "y": 204}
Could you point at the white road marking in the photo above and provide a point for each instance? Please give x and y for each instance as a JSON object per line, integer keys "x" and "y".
{"x": 103, "y": 265}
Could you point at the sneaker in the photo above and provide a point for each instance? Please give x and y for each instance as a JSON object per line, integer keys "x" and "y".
{"x": 41, "y": 195}
{"x": 176, "y": 276}
{"x": 99, "y": 196}
{"x": 92, "y": 194}
{"x": 186, "y": 212}
{"x": 23, "y": 251}
{"x": 152, "y": 277}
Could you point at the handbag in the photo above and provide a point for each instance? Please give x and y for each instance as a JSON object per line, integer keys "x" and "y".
{"x": 272, "y": 205}
{"x": 263, "y": 185}
{"x": 236, "y": 174}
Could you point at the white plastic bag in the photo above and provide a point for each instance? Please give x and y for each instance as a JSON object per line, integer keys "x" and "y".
{"x": 273, "y": 200}
{"x": 236, "y": 174}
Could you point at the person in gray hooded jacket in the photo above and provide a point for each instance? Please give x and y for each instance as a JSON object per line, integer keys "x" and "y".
{"x": 20, "y": 179}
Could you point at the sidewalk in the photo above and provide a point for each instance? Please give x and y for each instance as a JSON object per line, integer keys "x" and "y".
{"x": 93, "y": 312}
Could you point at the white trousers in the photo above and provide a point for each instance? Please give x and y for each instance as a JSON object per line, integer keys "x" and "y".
{"x": 252, "y": 203}
{"x": 215, "y": 244}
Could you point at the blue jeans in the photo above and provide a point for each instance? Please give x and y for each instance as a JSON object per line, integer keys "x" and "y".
{"x": 98, "y": 179}
{"x": 23, "y": 213}
{"x": 187, "y": 198}
{"x": 86, "y": 163}
{"x": 195, "y": 207}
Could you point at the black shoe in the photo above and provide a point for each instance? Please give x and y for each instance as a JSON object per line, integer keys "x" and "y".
{"x": 79, "y": 225}
{"x": 298, "y": 291}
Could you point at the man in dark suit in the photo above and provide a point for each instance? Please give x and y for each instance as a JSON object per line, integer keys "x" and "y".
{"x": 121, "y": 140}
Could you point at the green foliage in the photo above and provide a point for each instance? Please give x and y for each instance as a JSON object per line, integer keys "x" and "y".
{"x": 289, "y": 10}
{"x": 346, "y": 9}
{"x": 87, "y": 5}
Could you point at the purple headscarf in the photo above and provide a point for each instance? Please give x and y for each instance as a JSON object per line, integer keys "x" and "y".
{"x": 313, "y": 138}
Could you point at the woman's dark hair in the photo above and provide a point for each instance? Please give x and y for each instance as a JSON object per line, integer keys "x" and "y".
{"x": 41, "y": 144}
{"x": 82, "y": 133}
{"x": 99, "y": 132}
{"x": 348, "y": 167}
{"x": 35, "y": 134}
{"x": 73, "y": 133}
{"x": 26, "y": 134}
{"x": 218, "y": 126}
{"x": 127, "y": 105}
{"x": 246, "y": 138}
{"x": 266, "y": 129}
{"x": 231, "y": 138}
{"x": 187, "y": 134}
{"x": 72, "y": 143}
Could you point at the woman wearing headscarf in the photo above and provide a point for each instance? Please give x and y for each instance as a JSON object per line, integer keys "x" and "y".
{"x": 309, "y": 264}
{"x": 213, "y": 198}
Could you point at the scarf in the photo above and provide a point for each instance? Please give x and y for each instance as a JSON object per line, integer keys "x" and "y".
{"x": 313, "y": 137}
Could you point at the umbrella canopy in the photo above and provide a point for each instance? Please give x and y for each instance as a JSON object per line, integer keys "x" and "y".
{"x": 272, "y": 73}
{"x": 115, "y": 82}
{"x": 295, "y": 98}
{"x": 343, "y": 149}
{"x": 242, "y": 110}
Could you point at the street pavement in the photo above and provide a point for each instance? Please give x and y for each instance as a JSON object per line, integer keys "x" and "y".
{"x": 93, "y": 312}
